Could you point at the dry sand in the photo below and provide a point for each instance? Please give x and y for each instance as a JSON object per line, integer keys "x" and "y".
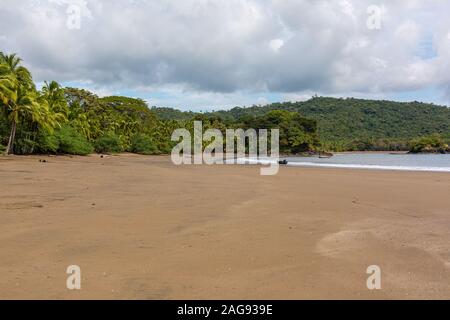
{"x": 141, "y": 228}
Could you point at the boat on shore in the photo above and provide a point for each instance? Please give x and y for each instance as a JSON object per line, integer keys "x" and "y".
{"x": 325, "y": 155}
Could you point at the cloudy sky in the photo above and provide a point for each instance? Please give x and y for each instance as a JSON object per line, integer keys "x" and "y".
{"x": 211, "y": 54}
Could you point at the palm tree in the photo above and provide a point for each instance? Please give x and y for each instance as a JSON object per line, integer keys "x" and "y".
{"x": 80, "y": 121}
{"x": 19, "y": 96}
{"x": 7, "y": 83}
{"x": 12, "y": 65}
{"x": 12, "y": 76}
{"x": 53, "y": 95}
{"x": 54, "y": 109}
{"x": 25, "y": 105}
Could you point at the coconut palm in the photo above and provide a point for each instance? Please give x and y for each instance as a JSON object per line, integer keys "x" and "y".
{"x": 7, "y": 85}
{"x": 15, "y": 81}
{"x": 12, "y": 65}
{"x": 80, "y": 121}
{"x": 54, "y": 96}
{"x": 22, "y": 102}
{"x": 24, "y": 106}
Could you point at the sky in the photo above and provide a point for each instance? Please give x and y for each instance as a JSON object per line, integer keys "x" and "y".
{"x": 217, "y": 54}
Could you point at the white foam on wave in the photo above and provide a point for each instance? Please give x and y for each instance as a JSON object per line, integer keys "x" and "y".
{"x": 367, "y": 166}
{"x": 343, "y": 166}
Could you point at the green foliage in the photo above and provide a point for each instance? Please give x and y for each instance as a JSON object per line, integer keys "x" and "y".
{"x": 136, "y": 108}
{"x": 429, "y": 144}
{"x": 123, "y": 117}
{"x": 4, "y": 128}
{"x": 48, "y": 144}
{"x": 67, "y": 141}
{"x": 143, "y": 144}
{"x": 24, "y": 146}
{"x": 351, "y": 124}
{"x": 173, "y": 114}
{"x": 26, "y": 111}
{"x": 297, "y": 134}
{"x": 72, "y": 142}
{"x": 109, "y": 143}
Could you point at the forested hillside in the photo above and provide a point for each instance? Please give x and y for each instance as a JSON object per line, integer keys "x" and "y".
{"x": 356, "y": 124}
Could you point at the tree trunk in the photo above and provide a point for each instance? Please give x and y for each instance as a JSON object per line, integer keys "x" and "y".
{"x": 12, "y": 136}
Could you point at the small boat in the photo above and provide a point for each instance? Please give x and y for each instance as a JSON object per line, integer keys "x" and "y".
{"x": 325, "y": 155}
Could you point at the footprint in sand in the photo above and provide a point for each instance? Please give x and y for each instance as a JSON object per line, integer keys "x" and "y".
{"x": 22, "y": 205}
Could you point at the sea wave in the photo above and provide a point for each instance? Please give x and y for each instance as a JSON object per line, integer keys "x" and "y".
{"x": 343, "y": 166}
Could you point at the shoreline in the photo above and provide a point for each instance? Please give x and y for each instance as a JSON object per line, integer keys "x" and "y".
{"x": 259, "y": 162}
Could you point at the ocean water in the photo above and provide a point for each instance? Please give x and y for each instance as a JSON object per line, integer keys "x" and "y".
{"x": 375, "y": 161}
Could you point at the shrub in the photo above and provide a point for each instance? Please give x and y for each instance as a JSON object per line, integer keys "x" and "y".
{"x": 71, "y": 142}
{"x": 433, "y": 143}
{"x": 109, "y": 143}
{"x": 24, "y": 146}
{"x": 165, "y": 147}
{"x": 48, "y": 144}
{"x": 143, "y": 144}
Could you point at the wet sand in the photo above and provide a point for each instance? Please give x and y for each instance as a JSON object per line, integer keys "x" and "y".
{"x": 141, "y": 228}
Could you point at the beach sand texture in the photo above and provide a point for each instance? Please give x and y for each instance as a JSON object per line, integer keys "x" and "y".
{"x": 142, "y": 228}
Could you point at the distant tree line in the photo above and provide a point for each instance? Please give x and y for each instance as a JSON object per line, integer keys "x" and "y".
{"x": 354, "y": 124}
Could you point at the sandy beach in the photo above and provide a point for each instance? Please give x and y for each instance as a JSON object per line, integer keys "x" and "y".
{"x": 142, "y": 228}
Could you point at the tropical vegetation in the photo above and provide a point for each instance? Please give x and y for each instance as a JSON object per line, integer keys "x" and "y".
{"x": 352, "y": 124}
{"x": 434, "y": 143}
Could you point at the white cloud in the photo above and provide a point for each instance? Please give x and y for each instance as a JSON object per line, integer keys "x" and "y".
{"x": 298, "y": 97}
{"x": 276, "y": 44}
{"x": 262, "y": 101}
{"x": 224, "y": 50}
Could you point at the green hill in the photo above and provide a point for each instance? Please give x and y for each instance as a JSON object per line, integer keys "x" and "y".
{"x": 357, "y": 124}
{"x": 173, "y": 114}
